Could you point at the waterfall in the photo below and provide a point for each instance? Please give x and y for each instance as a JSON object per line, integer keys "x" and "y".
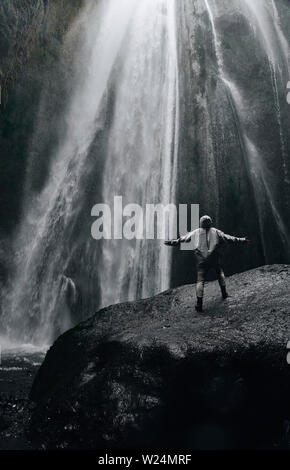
{"x": 53, "y": 247}
{"x": 217, "y": 47}
{"x": 142, "y": 152}
{"x": 167, "y": 102}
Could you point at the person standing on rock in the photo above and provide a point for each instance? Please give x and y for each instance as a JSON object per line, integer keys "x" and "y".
{"x": 207, "y": 241}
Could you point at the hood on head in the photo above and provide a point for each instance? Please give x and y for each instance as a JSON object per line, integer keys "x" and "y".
{"x": 205, "y": 222}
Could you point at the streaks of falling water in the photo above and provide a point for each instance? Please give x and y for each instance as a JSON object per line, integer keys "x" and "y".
{"x": 276, "y": 46}
{"x": 129, "y": 54}
{"x": 261, "y": 21}
{"x": 235, "y": 103}
{"x": 215, "y": 39}
{"x": 277, "y": 50}
{"x": 142, "y": 155}
{"x": 137, "y": 39}
{"x": 31, "y": 311}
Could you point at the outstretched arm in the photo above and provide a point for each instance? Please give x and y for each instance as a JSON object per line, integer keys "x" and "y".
{"x": 230, "y": 239}
{"x": 172, "y": 242}
{"x": 185, "y": 239}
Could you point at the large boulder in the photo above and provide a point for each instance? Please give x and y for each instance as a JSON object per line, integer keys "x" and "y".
{"x": 154, "y": 373}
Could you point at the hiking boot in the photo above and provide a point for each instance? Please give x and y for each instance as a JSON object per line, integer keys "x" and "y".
{"x": 198, "y": 305}
{"x": 224, "y": 292}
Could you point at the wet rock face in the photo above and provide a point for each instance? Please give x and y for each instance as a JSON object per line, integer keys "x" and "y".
{"x": 31, "y": 30}
{"x": 154, "y": 373}
{"x": 34, "y": 57}
{"x": 215, "y": 159}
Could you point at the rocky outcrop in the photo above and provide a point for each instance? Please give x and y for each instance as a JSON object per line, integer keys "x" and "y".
{"x": 154, "y": 373}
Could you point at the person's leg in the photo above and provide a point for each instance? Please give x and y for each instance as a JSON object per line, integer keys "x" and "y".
{"x": 222, "y": 281}
{"x": 200, "y": 287}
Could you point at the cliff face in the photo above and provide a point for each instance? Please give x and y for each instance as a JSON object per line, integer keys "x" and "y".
{"x": 33, "y": 55}
{"x": 154, "y": 373}
{"x": 232, "y": 139}
{"x": 32, "y": 33}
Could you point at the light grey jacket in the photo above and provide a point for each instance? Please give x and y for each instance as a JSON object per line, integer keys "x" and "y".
{"x": 206, "y": 242}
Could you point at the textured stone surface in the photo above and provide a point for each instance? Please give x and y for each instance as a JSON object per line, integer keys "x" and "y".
{"x": 35, "y": 59}
{"x": 155, "y": 373}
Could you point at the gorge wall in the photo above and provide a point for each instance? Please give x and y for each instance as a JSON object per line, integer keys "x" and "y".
{"x": 199, "y": 115}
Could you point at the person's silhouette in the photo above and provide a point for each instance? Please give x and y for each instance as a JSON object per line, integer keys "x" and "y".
{"x": 207, "y": 241}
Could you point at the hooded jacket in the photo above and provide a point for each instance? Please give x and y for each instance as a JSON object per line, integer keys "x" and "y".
{"x": 207, "y": 241}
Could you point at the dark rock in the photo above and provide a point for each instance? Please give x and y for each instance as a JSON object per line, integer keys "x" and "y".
{"x": 35, "y": 59}
{"x": 17, "y": 370}
{"x": 213, "y": 165}
{"x": 154, "y": 373}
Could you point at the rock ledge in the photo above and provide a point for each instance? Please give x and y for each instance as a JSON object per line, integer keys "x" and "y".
{"x": 154, "y": 373}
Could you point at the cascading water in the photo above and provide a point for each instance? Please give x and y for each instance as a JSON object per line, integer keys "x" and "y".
{"x": 153, "y": 83}
{"x": 277, "y": 50}
{"x": 142, "y": 152}
{"x": 137, "y": 38}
